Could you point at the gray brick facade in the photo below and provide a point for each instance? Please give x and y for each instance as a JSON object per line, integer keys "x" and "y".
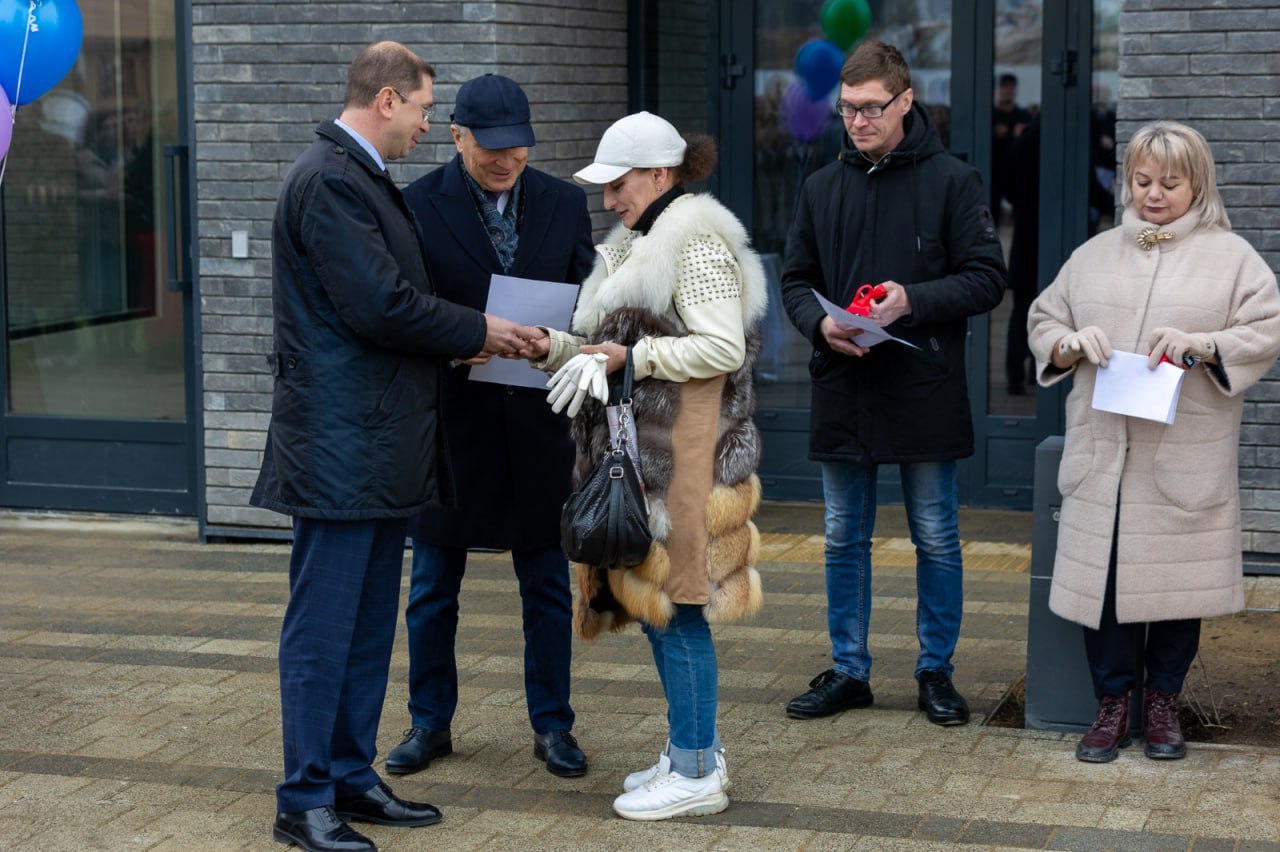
{"x": 265, "y": 74}
{"x": 1213, "y": 65}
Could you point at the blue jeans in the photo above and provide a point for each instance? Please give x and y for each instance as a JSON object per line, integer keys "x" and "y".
{"x": 686, "y": 661}
{"x": 432, "y": 618}
{"x": 929, "y": 490}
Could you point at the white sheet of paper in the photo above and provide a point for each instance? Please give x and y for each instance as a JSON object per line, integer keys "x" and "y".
{"x": 1126, "y": 386}
{"x": 871, "y": 333}
{"x": 529, "y": 302}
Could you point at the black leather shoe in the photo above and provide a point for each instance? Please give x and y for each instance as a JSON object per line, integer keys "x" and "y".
{"x": 319, "y": 830}
{"x": 419, "y": 747}
{"x": 560, "y": 751}
{"x": 830, "y": 693}
{"x": 379, "y": 805}
{"x": 939, "y": 699}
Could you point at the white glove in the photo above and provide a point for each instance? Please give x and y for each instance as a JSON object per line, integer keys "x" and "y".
{"x": 1178, "y": 345}
{"x": 1089, "y": 342}
{"x": 581, "y": 375}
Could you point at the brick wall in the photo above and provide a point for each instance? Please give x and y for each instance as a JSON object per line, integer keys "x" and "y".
{"x": 1214, "y": 66}
{"x": 265, "y": 74}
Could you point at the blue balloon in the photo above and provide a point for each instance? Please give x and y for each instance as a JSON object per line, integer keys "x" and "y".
{"x": 818, "y": 64}
{"x": 52, "y": 45}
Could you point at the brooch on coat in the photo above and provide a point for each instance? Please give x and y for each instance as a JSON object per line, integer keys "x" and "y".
{"x": 1149, "y": 236}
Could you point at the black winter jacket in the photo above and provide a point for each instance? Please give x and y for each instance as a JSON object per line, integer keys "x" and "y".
{"x": 918, "y": 217}
{"x": 354, "y": 431}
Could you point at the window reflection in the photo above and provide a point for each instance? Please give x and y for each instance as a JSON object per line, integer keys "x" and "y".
{"x": 1015, "y": 199}
{"x": 90, "y": 329}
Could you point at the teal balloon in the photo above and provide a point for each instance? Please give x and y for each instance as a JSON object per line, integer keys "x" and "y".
{"x": 51, "y": 46}
{"x": 845, "y": 21}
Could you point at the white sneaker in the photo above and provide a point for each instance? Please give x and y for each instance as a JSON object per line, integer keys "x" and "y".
{"x": 670, "y": 794}
{"x": 636, "y": 780}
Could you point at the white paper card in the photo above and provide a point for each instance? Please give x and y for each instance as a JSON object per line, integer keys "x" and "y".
{"x": 871, "y": 333}
{"x": 1126, "y": 386}
{"x": 530, "y": 302}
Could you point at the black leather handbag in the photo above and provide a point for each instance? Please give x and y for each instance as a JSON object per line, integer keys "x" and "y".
{"x": 606, "y": 522}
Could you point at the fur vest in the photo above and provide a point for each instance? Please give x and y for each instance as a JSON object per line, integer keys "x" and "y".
{"x": 699, "y": 447}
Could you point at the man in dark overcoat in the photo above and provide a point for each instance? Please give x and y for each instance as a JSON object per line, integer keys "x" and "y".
{"x": 354, "y": 446}
{"x": 485, "y": 213}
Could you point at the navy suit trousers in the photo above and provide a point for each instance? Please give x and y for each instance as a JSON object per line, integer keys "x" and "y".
{"x": 335, "y": 651}
{"x": 432, "y": 618}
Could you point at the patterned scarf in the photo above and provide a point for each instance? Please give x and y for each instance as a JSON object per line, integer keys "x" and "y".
{"x": 502, "y": 227}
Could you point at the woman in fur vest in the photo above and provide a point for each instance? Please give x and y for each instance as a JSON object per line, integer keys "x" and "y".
{"x": 677, "y": 281}
{"x": 1149, "y": 539}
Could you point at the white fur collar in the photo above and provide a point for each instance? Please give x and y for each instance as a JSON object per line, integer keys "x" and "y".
{"x": 647, "y": 278}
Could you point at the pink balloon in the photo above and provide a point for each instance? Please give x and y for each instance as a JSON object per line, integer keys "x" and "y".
{"x": 6, "y": 124}
{"x": 803, "y": 116}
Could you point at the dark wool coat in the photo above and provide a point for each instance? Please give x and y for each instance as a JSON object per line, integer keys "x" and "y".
{"x": 354, "y": 431}
{"x": 505, "y": 442}
{"x": 918, "y": 217}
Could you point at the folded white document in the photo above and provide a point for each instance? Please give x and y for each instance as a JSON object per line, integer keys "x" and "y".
{"x": 1126, "y": 386}
{"x": 522, "y": 300}
{"x": 871, "y": 333}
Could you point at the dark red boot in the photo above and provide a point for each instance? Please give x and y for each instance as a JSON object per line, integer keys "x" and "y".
{"x": 1110, "y": 731}
{"x": 1160, "y": 726}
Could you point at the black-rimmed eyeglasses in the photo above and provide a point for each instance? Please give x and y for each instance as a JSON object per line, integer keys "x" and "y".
{"x": 428, "y": 110}
{"x": 848, "y": 110}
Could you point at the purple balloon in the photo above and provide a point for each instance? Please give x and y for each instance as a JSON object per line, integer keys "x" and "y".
{"x": 6, "y": 124}
{"x": 803, "y": 116}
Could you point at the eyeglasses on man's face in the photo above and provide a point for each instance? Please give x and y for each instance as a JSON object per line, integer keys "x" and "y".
{"x": 426, "y": 110}
{"x": 848, "y": 110}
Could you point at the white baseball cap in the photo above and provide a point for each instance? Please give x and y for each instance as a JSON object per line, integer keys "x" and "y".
{"x": 639, "y": 141}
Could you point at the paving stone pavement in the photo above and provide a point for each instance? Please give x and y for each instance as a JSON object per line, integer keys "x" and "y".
{"x": 138, "y": 710}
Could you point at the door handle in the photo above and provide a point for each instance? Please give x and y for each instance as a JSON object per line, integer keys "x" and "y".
{"x": 177, "y": 226}
{"x": 730, "y": 69}
{"x": 1065, "y": 68}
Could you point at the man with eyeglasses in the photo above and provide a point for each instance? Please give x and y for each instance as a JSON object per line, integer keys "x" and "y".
{"x": 354, "y": 446}
{"x": 896, "y": 210}
{"x": 486, "y": 213}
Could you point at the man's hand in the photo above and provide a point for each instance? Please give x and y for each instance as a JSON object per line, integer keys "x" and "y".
{"x": 894, "y": 306}
{"x": 504, "y": 337}
{"x": 1089, "y": 343}
{"x": 1177, "y": 345}
{"x": 841, "y": 339}
{"x": 536, "y": 348}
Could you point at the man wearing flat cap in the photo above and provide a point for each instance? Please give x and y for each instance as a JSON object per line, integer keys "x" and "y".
{"x": 484, "y": 213}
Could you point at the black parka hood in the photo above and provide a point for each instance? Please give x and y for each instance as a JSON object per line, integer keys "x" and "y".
{"x": 920, "y": 140}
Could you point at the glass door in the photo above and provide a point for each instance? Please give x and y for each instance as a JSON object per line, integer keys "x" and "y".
{"x": 96, "y": 310}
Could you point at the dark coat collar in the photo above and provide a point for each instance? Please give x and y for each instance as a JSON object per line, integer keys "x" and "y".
{"x": 459, "y": 214}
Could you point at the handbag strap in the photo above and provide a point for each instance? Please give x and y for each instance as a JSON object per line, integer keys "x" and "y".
{"x": 620, "y": 419}
{"x": 628, "y": 376}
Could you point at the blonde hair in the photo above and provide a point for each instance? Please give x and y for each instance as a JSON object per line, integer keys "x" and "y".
{"x": 1172, "y": 147}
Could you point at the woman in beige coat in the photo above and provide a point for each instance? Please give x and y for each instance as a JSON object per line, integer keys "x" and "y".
{"x": 1150, "y": 533}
